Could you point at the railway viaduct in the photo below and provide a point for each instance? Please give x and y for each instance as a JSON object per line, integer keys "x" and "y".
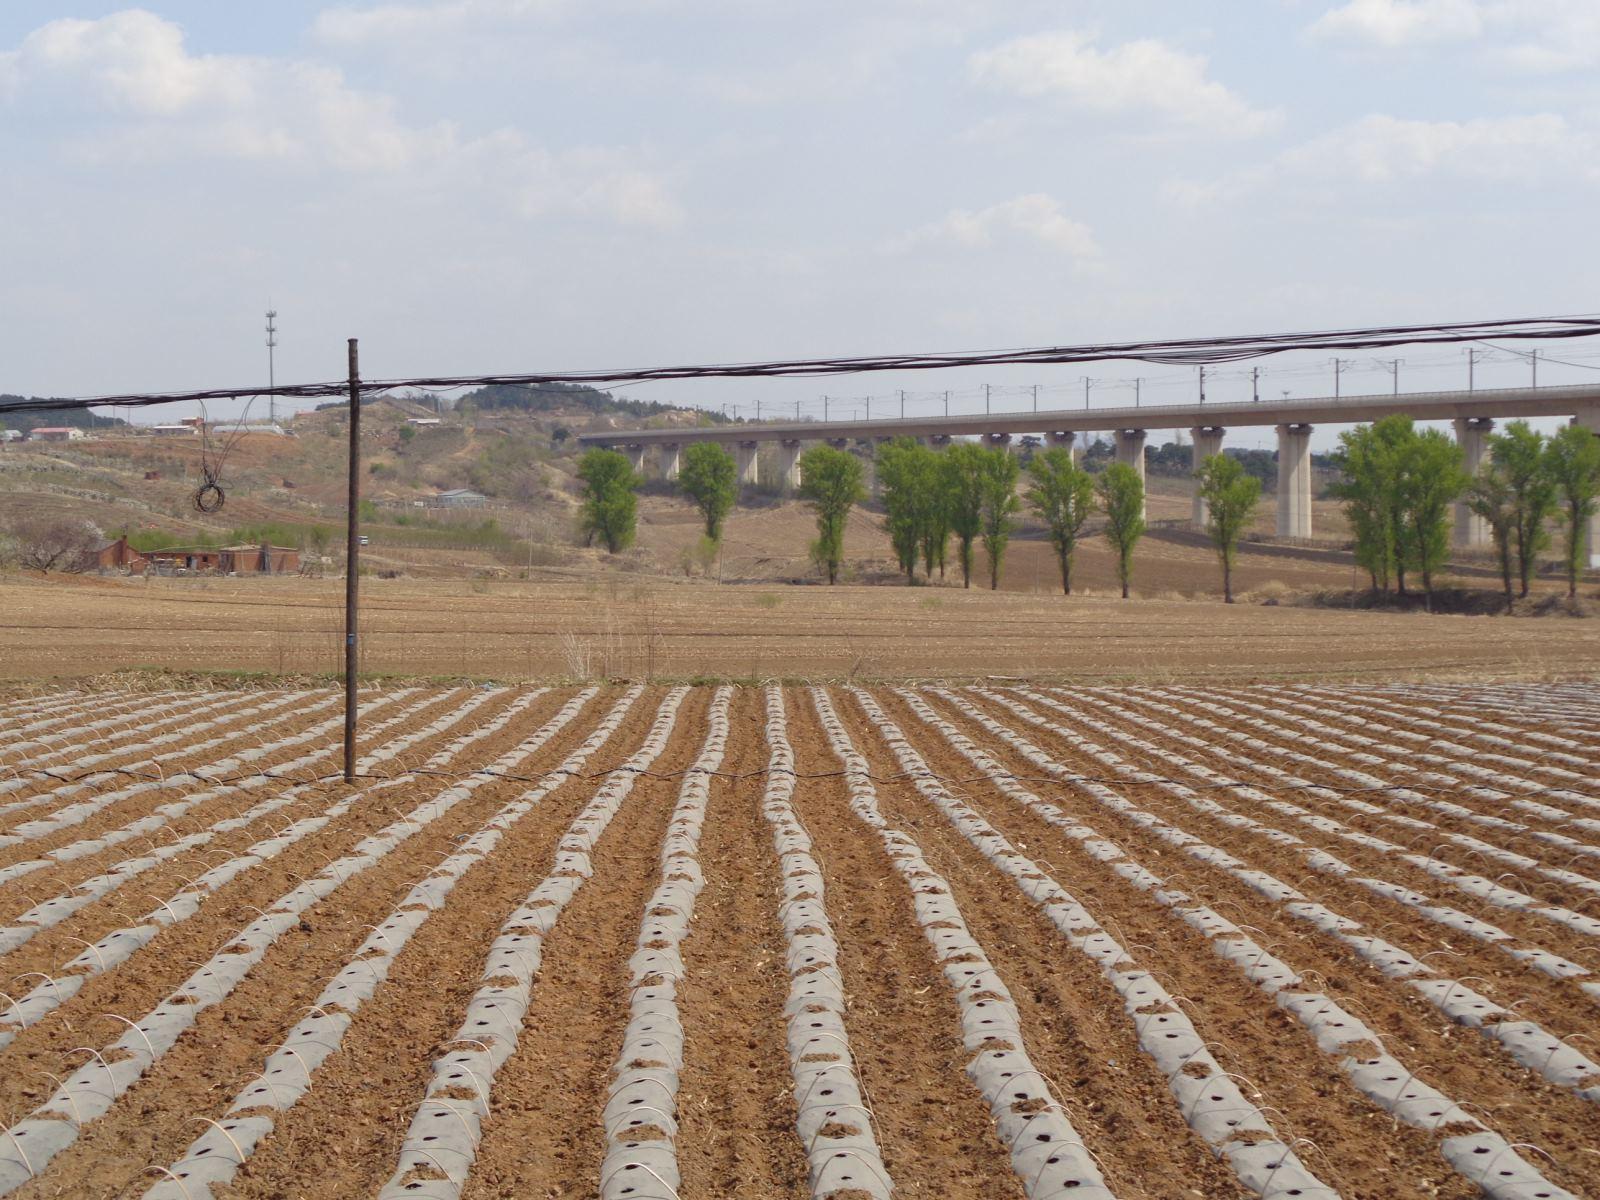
{"x": 1473, "y": 414}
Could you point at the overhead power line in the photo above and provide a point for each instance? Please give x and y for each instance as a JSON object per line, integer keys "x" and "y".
{"x": 1189, "y": 351}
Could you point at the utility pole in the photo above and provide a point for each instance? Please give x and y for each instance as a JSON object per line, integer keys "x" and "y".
{"x": 947, "y": 403}
{"x": 1138, "y": 385}
{"x": 1036, "y": 397}
{"x": 272, "y": 374}
{"x": 1255, "y": 385}
{"x": 758, "y": 410}
{"x": 869, "y": 408}
{"x": 352, "y": 569}
{"x": 902, "y": 404}
{"x": 1339, "y": 364}
{"x": 1534, "y": 358}
{"x": 797, "y": 411}
{"x": 986, "y": 399}
{"x": 1202, "y": 384}
{"x": 1086, "y": 385}
{"x": 824, "y": 409}
{"x": 1472, "y": 363}
{"x": 1394, "y": 369}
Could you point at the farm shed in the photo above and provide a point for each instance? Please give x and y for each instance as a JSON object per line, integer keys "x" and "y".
{"x": 260, "y": 560}
{"x": 119, "y": 556}
{"x": 56, "y": 433}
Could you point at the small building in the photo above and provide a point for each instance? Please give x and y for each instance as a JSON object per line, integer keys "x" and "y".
{"x": 260, "y": 560}
{"x": 10, "y": 435}
{"x": 227, "y": 560}
{"x": 56, "y": 433}
{"x": 175, "y": 430}
{"x": 459, "y": 498}
{"x": 119, "y": 556}
{"x": 185, "y": 558}
{"x": 424, "y": 422}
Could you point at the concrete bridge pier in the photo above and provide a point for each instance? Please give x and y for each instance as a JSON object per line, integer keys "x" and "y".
{"x": 1589, "y": 418}
{"x": 789, "y": 465}
{"x": 1065, "y": 439}
{"x": 1472, "y": 435}
{"x": 671, "y": 455}
{"x": 1206, "y": 442}
{"x": 635, "y": 453}
{"x": 1130, "y": 453}
{"x": 1003, "y": 440}
{"x": 1294, "y": 481}
{"x": 745, "y": 456}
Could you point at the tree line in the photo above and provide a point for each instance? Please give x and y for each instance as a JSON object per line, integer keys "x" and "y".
{"x": 961, "y": 498}
{"x": 1399, "y": 485}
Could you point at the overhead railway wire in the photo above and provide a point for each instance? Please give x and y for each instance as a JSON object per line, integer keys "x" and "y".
{"x": 1189, "y": 352}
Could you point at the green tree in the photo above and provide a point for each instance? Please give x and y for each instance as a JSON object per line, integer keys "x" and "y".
{"x": 610, "y": 508}
{"x": 1430, "y": 479}
{"x": 1121, "y": 493}
{"x": 710, "y": 478}
{"x": 998, "y": 506}
{"x": 833, "y": 481}
{"x": 1572, "y": 463}
{"x": 1519, "y": 453}
{"x": 1063, "y": 495}
{"x": 1370, "y": 459}
{"x": 963, "y": 499}
{"x": 909, "y": 481}
{"x": 1489, "y": 497}
{"x": 1231, "y": 496}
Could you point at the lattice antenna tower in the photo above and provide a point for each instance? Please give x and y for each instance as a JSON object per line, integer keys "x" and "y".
{"x": 272, "y": 379}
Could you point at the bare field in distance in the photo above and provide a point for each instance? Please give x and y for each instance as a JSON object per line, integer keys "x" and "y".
{"x": 641, "y": 627}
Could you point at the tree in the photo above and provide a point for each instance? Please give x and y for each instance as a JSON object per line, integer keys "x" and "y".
{"x": 963, "y": 499}
{"x": 1519, "y": 453}
{"x": 710, "y": 478}
{"x": 1572, "y": 464}
{"x": 908, "y": 479}
{"x": 54, "y": 543}
{"x": 1063, "y": 496}
{"x": 1231, "y": 496}
{"x": 1429, "y": 480}
{"x": 610, "y": 509}
{"x": 1369, "y": 459}
{"x": 1489, "y": 497}
{"x": 1121, "y": 494}
{"x": 998, "y": 503}
{"x": 832, "y": 480}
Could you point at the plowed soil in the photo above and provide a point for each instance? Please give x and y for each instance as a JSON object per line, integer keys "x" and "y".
{"x": 1150, "y": 792}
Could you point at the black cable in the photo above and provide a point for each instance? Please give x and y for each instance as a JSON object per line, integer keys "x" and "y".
{"x": 1188, "y": 351}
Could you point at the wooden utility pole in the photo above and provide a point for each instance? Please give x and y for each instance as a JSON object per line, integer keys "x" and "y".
{"x": 352, "y": 574}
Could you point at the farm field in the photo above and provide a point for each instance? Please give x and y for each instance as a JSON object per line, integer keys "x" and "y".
{"x": 641, "y": 627}
{"x": 648, "y": 942}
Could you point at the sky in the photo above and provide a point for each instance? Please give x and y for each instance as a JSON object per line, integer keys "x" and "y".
{"x": 520, "y": 185}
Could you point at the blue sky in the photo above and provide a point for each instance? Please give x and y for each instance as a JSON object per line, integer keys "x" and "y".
{"x": 520, "y": 184}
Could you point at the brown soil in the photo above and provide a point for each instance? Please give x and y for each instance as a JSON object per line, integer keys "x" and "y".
{"x": 736, "y": 1111}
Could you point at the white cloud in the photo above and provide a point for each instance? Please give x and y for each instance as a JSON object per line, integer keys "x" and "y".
{"x": 1035, "y": 217}
{"x": 1145, "y": 76}
{"x": 401, "y": 22}
{"x": 1380, "y": 150}
{"x": 1535, "y": 36}
{"x": 1392, "y": 23}
{"x": 141, "y": 96}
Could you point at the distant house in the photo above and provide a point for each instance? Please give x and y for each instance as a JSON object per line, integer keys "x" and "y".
{"x": 119, "y": 556}
{"x": 228, "y": 560}
{"x": 56, "y": 433}
{"x": 10, "y": 435}
{"x": 423, "y": 422}
{"x": 459, "y": 498}
{"x": 175, "y": 430}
